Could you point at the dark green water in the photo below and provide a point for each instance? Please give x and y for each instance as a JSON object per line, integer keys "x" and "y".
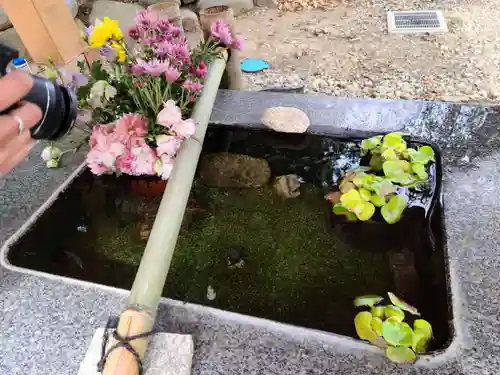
{"x": 295, "y": 269}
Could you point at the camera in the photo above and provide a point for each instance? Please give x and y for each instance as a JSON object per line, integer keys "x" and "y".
{"x": 59, "y": 105}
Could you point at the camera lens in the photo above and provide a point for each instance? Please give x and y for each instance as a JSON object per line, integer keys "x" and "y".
{"x": 59, "y": 109}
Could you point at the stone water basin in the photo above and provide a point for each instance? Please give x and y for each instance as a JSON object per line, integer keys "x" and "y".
{"x": 261, "y": 255}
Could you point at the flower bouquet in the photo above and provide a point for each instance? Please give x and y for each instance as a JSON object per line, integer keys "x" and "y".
{"x": 140, "y": 97}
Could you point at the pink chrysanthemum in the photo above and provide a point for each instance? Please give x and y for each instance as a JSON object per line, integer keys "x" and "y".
{"x": 221, "y": 33}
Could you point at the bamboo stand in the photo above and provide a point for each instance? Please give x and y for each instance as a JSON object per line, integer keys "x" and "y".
{"x": 207, "y": 17}
{"x": 152, "y": 273}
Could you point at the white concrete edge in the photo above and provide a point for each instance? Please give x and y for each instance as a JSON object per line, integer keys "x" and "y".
{"x": 430, "y": 360}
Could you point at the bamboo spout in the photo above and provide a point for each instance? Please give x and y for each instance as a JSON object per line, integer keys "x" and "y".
{"x": 152, "y": 273}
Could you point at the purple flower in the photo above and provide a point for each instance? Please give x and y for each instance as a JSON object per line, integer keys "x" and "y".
{"x": 192, "y": 86}
{"x": 156, "y": 68}
{"x": 72, "y": 81}
{"x": 88, "y": 31}
{"x": 163, "y": 26}
{"x": 221, "y": 33}
{"x": 108, "y": 53}
{"x": 172, "y": 74}
{"x": 144, "y": 20}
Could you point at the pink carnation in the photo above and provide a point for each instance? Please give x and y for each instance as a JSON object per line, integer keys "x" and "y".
{"x": 131, "y": 126}
{"x": 221, "y": 33}
{"x": 105, "y": 149}
{"x": 167, "y": 144}
{"x": 185, "y": 128}
{"x": 169, "y": 115}
{"x": 144, "y": 159}
{"x": 164, "y": 166}
{"x": 192, "y": 86}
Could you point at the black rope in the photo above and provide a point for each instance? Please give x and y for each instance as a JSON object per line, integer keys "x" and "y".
{"x": 122, "y": 342}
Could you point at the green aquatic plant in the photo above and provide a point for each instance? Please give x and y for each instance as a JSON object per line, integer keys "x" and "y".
{"x": 384, "y": 326}
{"x": 367, "y": 188}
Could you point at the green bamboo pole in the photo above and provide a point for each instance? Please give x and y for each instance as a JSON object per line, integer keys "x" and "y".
{"x": 152, "y": 273}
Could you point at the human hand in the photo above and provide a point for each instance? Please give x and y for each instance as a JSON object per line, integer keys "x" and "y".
{"x": 15, "y": 138}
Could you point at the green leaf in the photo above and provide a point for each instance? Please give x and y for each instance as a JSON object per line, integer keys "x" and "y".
{"x": 346, "y": 186}
{"x": 367, "y": 300}
{"x": 402, "y": 304}
{"x": 351, "y": 199}
{"x": 400, "y": 355}
{"x": 423, "y": 334}
{"x": 394, "y": 312}
{"x": 423, "y": 327}
{"x": 377, "y": 311}
{"x": 392, "y": 210}
{"x": 383, "y": 187}
{"x": 364, "y": 210}
{"x": 390, "y": 154}
{"x": 393, "y": 139}
{"x": 370, "y": 143}
{"x": 396, "y": 167}
{"x": 359, "y": 179}
{"x": 424, "y": 155}
{"x": 376, "y": 162}
{"x": 365, "y": 194}
{"x": 377, "y": 325}
{"x": 362, "y": 323}
{"x": 397, "y": 333}
{"x": 419, "y": 170}
{"x": 377, "y": 200}
{"x": 338, "y": 209}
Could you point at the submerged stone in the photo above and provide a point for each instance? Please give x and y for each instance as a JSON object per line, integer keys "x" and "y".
{"x": 234, "y": 170}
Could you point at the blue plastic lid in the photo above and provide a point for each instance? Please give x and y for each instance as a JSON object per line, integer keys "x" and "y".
{"x": 20, "y": 61}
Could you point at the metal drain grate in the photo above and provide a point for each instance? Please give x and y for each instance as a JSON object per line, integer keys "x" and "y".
{"x": 419, "y": 21}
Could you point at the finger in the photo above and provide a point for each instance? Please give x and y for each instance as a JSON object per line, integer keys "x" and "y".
{"x": 15, "y": 158}
{"x": 28, "y": 113}
{"x": 17, "y": 85}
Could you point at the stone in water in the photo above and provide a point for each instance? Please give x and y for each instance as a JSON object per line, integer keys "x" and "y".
{"x": 286, "y": 119}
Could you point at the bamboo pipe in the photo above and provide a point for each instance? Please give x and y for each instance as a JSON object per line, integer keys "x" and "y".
{"x": 233, "y": 69}
{"x": 150, "y": 279}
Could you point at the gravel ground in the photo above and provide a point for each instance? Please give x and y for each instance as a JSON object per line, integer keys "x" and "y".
{"x": 347, "y": 51}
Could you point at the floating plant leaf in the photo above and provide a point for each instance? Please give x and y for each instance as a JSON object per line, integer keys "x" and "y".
{"x": 377, "y": 200}
{"x": 423, "y": 334}
{"x": 360, "y": 179}
{"x": 419, "y": 170}
{"x": 424, "y": 327}
{"x": 377, "y": 311}
{"x": 338, "y": 209}
{"x": 370, "y": 143}
{"x": 362, "y": 323}
{"x": 364, "y": 210}
{"x": 383, "y": 187}
{"x": 392, "y": 210}
{"x": 400, "y": 355}
{"x": 367, "y": 300}
{"x": 394, "y": 141}
{"x": 397, "y": 333}
{"x": 424, "y": 155}
{"x": 377, "y": 324}
{"x": 351, "y": 199}
{"x": 346, "y": 186}
{"x": 402, "y": 304}
{"x": 394, "y": 312}
{"x": 396, "y": 167}
{"x": 359, "y": 169}
{"x": 376, "y": 162}
{"x": 365, "y": 194}
{"x": 333, "y": 196}
{"x": 390, "y": 154}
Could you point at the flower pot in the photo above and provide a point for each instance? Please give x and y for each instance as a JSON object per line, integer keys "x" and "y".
{"x": 169, "y": 10}
{"x": 233, "y": 69}
{"x": 148, "y": 187}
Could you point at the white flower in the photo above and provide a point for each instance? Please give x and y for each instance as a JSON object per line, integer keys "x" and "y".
{"x": 164, "y": 166}
{"x": 51, "y": 152}
{"x": 99, "y": 91}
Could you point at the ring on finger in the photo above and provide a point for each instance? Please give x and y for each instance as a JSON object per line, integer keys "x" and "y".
{"x": 20, "y": 123}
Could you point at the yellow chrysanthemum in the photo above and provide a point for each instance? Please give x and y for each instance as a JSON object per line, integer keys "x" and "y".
{"x": 104, "y": 32}
{"x": 121, "y": 55}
